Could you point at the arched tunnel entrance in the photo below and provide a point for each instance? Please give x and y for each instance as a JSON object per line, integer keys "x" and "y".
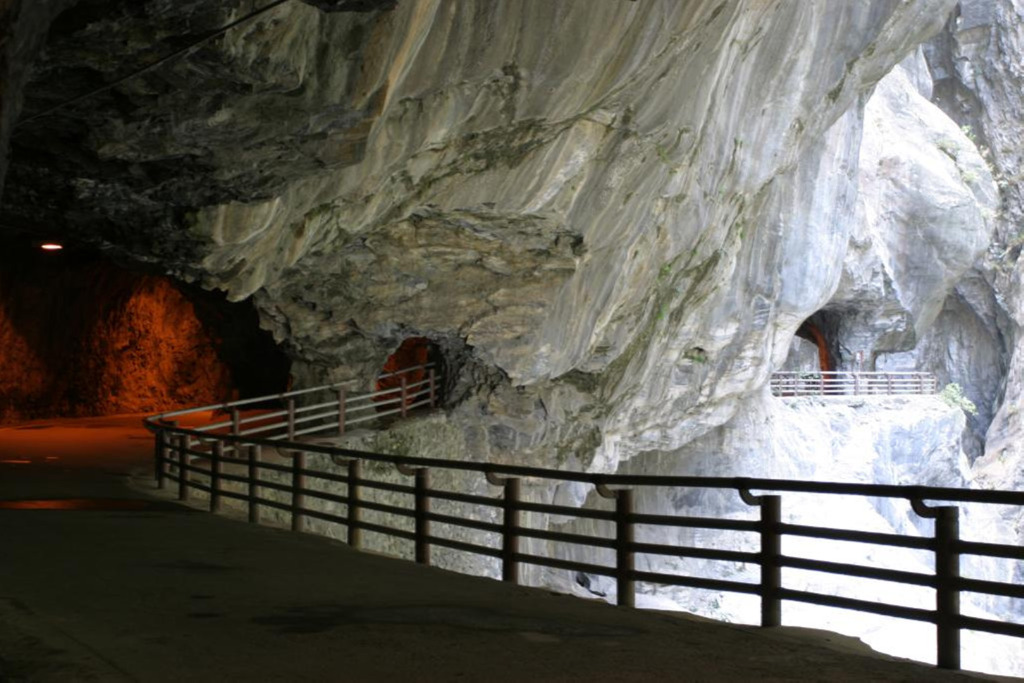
{"x": 82, "y": 337}
{"x": 407, "y": 362}
{"x": 813, "y": 334}
{"x": 823, "y": 329}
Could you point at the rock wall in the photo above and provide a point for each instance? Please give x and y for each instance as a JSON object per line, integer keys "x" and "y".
{"x": 615, "y": 221}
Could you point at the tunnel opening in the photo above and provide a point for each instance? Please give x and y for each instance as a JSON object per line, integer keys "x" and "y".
{"x": 813, "y": 334}
{"x": 83, "y": 336}
{"x": 409, "y": 362}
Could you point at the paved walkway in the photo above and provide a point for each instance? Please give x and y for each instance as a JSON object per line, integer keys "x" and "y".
{"x": 100, "y": 581}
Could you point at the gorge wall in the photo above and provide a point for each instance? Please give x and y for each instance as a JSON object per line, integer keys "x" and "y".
{"x": 609, "y": 218}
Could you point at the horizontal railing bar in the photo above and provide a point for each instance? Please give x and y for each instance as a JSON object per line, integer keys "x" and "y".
{"x": 405, "y": 371}
{"x": 324, "y": 476}
{"x": 738, "y": 483}
{"x": 566, "y": 511}
{"x": 386, "y": 530}
{"x": 317, "y": 406}
{"x": 387, "y": 486}
{"x": 463, "y": 498}
{"x": 695, "y": 522}
{"x": 233, "y": 494}
{"x": 324, "y": 495}
{"x": 872, "y": 537}
{"x": 214, "y": 426}
{"x": 227, "y": 476}
{"x": 464, "y": 522}
{"x": 264, "y": 428}
{"x": 564, "y": 537}
{"x": 695, "y": 582}
{"x": 699, "y": 553}
{"x": 276, "y": 504}
{"x": 845, "y": 569}
{"x": 1010, "y": 552}
{"x": 1004, "y": 628}
{"x": 366, "y": 418}
{"x": 1007, "y": 590}
{"x": 277, "y": 486}
{"x": 262, "y": 416}
{"x": 385, "y": 508}
{"x": 324, "y": 515}
{"x": 273, "y": 466}
{"x": 463, "y": 546}
{"x": 555, "y": 563}
{"x": 899, "y": 611}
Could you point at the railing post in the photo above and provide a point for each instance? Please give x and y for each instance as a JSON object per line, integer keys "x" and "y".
{"x": 432, "y": 376}
{"x": 771, "y": 569}
{"x": 509, "y": 526}
{"x": 183, "y": 467}
{"x": 254, "y": 478}
{"x": 947, "y": 595}
{"x": 626, "y": 595}
{"x": 236, "y": 421}
{"x": 888, "y": 383}
{"x": 341, "y": 410}
{"x": 624, "y": 555}
{"x": 947, "y": 575}
{"x": 355, "y": 534}
{"x": 405, "y": 389}
{"x": 422, "y": 509}
{"x": 215, "y": 463}
{"x": 298, "y": 483}
{"x": 291, "y": 418}
{"x": 821, "y": 383}
{"x": 771, "y": 552}
{"x": 159, "y": 444}
{"x": 509, "y": 535}
{"x": 856, "y": 384}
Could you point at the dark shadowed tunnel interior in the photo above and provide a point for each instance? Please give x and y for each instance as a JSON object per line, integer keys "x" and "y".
{"x": 83, "y": 336}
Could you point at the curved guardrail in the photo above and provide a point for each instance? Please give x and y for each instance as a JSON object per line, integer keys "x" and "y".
{"x": 412, "y": 388}
{"x": 315, "y": 481}
{"x": 841, "y": 383}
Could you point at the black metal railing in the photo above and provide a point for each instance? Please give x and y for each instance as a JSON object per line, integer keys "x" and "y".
{"x": 306, "y": 480}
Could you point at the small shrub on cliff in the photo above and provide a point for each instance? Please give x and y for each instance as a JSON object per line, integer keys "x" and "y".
{"x": 953, "y": 395}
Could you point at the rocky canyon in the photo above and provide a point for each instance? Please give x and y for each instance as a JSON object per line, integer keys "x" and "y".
{"x": 609, "y": 218}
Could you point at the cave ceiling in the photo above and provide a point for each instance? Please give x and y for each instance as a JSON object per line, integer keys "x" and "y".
{"x": 123, "y": 166}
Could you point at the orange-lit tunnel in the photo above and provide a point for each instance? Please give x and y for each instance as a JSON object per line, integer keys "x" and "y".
{"x": 410, "y": 355}
{"x": 813, "y": 333}
{"x": 82, "y": 336}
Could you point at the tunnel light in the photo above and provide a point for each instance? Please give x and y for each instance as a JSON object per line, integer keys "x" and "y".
{"x": 51, "y": 246}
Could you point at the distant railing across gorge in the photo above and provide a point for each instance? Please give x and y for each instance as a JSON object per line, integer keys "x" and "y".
{"x": 835, "y": 383}
{"x": 261, "y": 462}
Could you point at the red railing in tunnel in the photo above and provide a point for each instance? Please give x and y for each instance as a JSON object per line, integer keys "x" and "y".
{"x": 408, "y": 365}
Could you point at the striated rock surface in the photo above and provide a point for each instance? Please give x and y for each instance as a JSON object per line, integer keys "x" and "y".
{"x": 625, "y": 213}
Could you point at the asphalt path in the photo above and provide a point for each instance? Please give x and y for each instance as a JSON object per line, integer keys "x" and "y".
{"x": 102, "y": 578}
